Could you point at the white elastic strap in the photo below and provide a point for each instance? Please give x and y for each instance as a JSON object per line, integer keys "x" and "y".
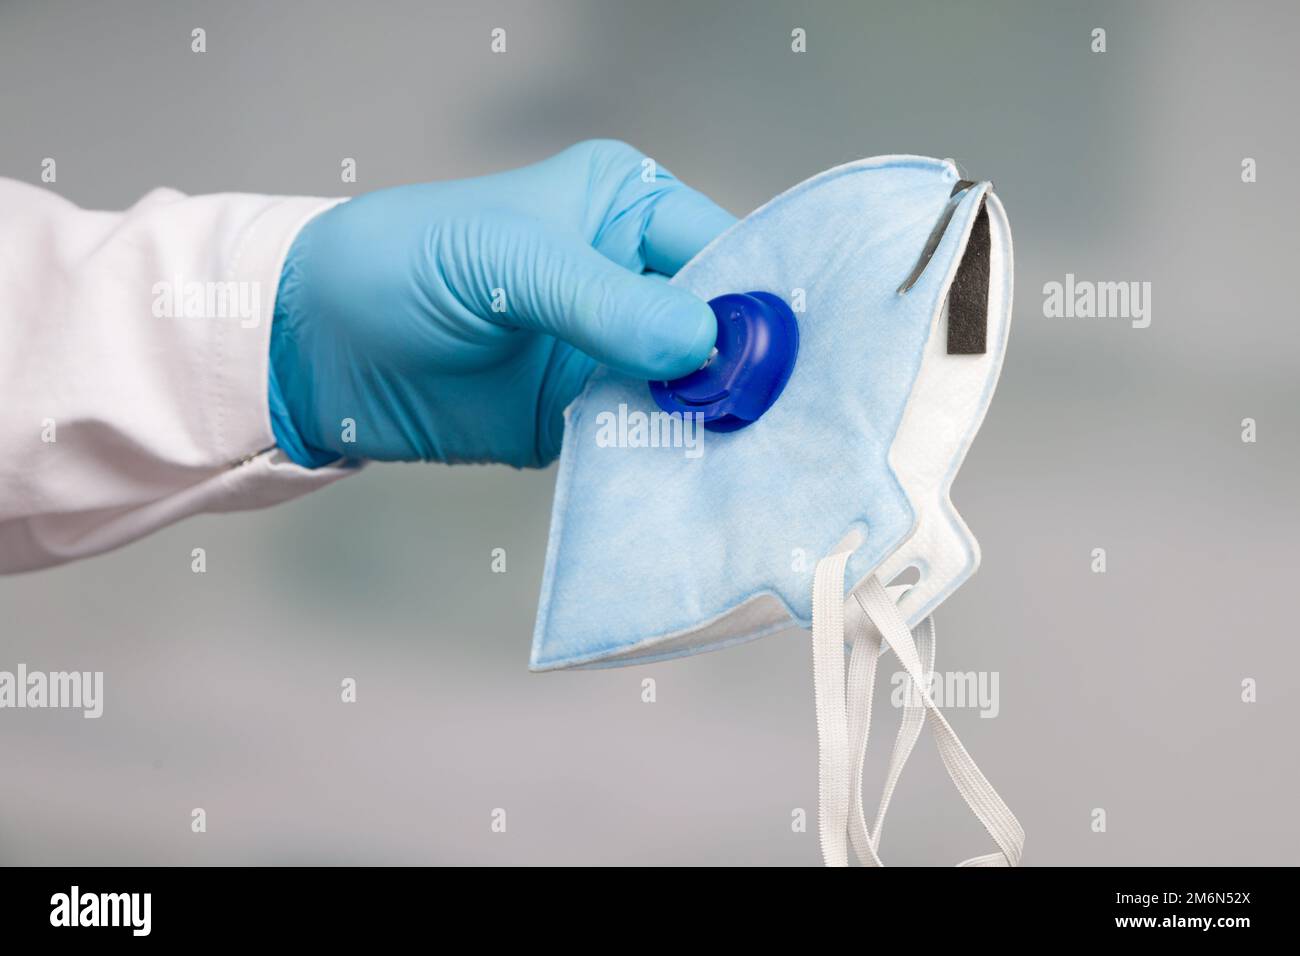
{"x": 833, "y": 759}
{"x": 844, "y": 719}
{"x": 864, "y": 655}
{"x": 909, "y": 730}
{"x": 973, "y": 786}
{"x": 843, "y": 723}
{"x": 866, "y": 649}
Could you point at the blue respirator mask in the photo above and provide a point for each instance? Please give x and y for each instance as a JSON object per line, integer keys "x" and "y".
{"x": 863, "y": 317}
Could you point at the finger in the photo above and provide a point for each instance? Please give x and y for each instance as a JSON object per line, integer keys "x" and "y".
{"x": 678, "y": 224}
{"x": 638, "y": 325}
{"x": 648, "y": 217}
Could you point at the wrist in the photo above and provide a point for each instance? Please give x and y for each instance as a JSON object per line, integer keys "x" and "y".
{"x": 289, "y": 373}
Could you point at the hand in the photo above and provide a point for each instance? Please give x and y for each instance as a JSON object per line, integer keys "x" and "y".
{"x": 456, "y": 321}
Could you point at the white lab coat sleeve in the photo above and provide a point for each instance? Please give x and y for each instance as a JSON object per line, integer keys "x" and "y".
{"x": 133, "y": 367}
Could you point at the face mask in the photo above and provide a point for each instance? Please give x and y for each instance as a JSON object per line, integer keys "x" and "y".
{"x": 668, "y": 539}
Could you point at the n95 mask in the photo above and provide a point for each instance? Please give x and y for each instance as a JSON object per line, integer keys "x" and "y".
{"x": 668, "y": 538}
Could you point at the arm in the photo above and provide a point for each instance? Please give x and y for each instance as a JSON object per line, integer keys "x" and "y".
{"x": 125, "y": 408}
{"x": 226, "y": 352}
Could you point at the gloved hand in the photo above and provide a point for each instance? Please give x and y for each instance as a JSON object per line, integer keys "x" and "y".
{"x": 455, "y": 321}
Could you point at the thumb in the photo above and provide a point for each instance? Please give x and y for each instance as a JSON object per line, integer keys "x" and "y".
{"x": 638, "y": 325}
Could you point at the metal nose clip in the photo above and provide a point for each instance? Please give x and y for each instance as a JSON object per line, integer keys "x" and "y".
{"x": 936, "y": 234}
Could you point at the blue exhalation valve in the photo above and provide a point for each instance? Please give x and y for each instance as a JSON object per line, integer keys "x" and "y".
{"x": 758, "y": 340}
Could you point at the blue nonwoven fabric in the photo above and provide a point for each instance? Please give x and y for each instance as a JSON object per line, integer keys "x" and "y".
{"x": 658, "y": 551}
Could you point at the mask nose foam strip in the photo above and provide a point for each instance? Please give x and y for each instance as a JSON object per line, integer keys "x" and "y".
{"x": 968, "y": 299}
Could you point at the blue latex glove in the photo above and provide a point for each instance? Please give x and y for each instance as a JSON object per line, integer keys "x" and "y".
{"x": 385, "y": 312}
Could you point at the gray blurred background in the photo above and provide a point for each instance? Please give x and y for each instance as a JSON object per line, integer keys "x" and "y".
{"x": 1119, "y": 691}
